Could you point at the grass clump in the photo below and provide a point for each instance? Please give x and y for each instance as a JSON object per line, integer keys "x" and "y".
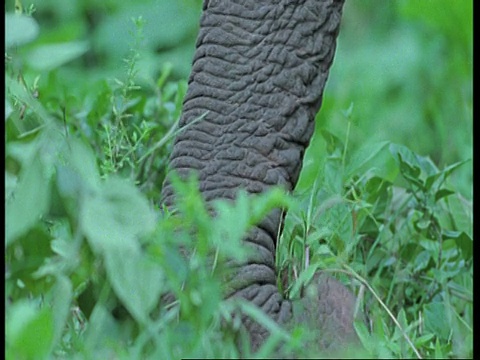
{"x": 95, "y": 268}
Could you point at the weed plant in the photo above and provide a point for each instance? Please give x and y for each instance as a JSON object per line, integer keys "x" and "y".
{"x": 97, "y": 268}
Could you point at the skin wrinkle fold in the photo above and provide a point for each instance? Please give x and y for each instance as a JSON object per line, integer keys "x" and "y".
{"x": 259, "y": 70}
{"x": 262, "y": 243}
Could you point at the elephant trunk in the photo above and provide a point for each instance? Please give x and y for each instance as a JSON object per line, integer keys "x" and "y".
{"x": 257, "y": 79}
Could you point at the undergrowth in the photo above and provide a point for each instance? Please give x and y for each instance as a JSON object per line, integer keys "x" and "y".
{"x": 406, "y": 249}
{"x": 93, "y": 261}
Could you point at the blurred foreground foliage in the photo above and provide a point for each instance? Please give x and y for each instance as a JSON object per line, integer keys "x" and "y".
{"x": 93, "y": 94}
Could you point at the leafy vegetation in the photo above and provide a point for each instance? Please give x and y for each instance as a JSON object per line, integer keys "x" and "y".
{"x": 93, "y": 93}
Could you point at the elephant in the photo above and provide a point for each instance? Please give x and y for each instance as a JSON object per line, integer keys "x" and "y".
{"x": 257, "y": 81}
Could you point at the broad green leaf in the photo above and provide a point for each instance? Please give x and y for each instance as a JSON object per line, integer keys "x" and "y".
{"x": 432, "y": 179}
{"x": 432, "y": 246}
{"x": 305, "y": 277}
{"x": 30, "y": 200}
{"x": 231, "y": 223}
{"x": 29, "y": 331}
{"x": 421, "y": 260}
{"x": 423, "y": 340}
{"x": 413, "y": 166}
{"x": 62, "y": 300}
{"x": 427, "y": 165}
{"x": 70, "y": 183}
{"x": 18, "y": 90}
{"x": 436, "y": 320}
{"x": 333, "y": 173}
{"x": 451, "y": 168}
{"x": 102, "y": 328}
{"x": 35, "y": 250}
{"x": 10, "y": 185}
{"x": 136, "y": 280}
{"x": 440, "y": 194}
{"x": 443, "y": 175}
{"x": 100, "y": 225}
{"x": 363, "y": 333}
{"x": 115, "y": 216}
{"x": 379, "y": 327}
{"x": 378, "y": 194}
{"x": 364, "y": 156}
{"x": 51, "y": 56}
{"x": 402, "y": 320}
{"x": 338, "y": 219}
{"x": 19, "y": 29}
{"x": 81, "y": 160}
{"x": 463, "y": 241}
{"x": 439, "y": 353}
{"x": 409, "y": 166}
{"x": 233, "y": 218}
{"x": 164, "y": 74}
{"x": 8, "y": 109}
{"x": 334, "y": 144}
{"x": 461, "y": 212}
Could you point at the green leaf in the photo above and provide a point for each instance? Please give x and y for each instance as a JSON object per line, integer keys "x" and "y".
{"x": 62, "y": 296}
{"x": 402, "y": 320}
{"x": 442, "y": 175}
{"x": 233, "y": 219}
{"x": 18, "y": 90}
{"x": 19, "y": 29}
{"x": 102, "y": 329}
{"x": 440, "y": 194}
{"x": 115, "y": 216}
{"x": 179, "y": 96}
{"x": 408, "y": 162}
{"x": 363, "y": 333}
{"x": 364, "y": 156}
{"x": 436, "y": 320}
{"x": 35, "y": 249}
{"x": 334, "y": 144}
{"x": 164, "y": 74}
{"x": 136, "y": 280}
{"x": 432, "y": 246}
{"x": 379, "y": 328}
{"x": 29, "y": 200}
{"x": 348, "y": 112}
{"x": 51, "y": 56}
{"x": 8, "y": 109}
{"x": 29, "y": 331}
{"x": 82, "y": 161}
{"x": 461, "y": 212}
{"x": 333, "y": 173}
{"x": 378, "y": 194}
{"x": 412, "y": 166}
{"x": 430, "y": 181}
{"x": 231, "y": 224}
{"x": 463, "y": 241}
{"x": 422, "y": 261}
{"x": 451, "y": 168}
{"x": 423, "y": 340}
{"x": 305, "y": 277}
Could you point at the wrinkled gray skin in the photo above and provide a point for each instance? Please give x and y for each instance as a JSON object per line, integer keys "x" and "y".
{"x": 259, "y": 70}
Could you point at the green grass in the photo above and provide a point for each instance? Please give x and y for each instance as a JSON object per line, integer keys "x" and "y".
{"x": 384, "y": 202}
